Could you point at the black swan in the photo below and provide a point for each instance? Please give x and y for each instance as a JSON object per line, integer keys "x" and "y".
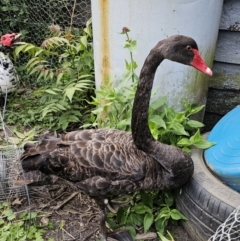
{"x": 105, "y": 162}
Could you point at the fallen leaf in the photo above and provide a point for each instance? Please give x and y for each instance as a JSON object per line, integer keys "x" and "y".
{"x": 17, "y": 201}
{"x": 45, "y": 220}
{"x": 62, "y": 223}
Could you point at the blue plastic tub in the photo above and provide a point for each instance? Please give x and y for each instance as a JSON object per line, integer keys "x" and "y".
{"x": 224, "y": 157}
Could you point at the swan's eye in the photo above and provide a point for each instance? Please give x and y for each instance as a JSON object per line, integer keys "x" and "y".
{"x": 189, "y": 47}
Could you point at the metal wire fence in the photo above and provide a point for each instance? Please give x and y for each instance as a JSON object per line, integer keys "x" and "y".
{"x": 10, "y": 167}
{"x": 230, "y": 229}
{"x": 33, "y": 17}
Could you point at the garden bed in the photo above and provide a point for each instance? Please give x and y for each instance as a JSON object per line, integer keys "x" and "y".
{"x": 76, "y": 219}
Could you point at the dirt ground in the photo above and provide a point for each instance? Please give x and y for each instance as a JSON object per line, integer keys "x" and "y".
{"x": 75, "y": 215}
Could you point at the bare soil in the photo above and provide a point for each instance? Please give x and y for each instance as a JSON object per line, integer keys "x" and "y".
{"x": 75, "y": 215}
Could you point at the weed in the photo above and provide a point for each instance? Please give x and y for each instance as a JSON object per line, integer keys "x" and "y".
{"x": 62, "y": 73}
{"x": 21, "y": 227}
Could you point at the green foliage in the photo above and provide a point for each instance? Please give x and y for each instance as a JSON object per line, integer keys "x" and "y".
{"x": 20, "y": 139}
{"x": 13, "y": 15}
{"x": 62, "y": 69}
{"x": 176, "y": 128}
{"x": 163, "y": 238}
{"x": 166, "y": 125}
{"x": 21, "y": 227}
{"x": 146, "y": 209}
{"x": 117, "y": 105}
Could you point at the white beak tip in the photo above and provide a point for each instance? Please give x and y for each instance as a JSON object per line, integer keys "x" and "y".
{"x": 209, "y": 71}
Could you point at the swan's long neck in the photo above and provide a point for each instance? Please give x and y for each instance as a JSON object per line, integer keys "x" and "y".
{"x": 140, "y": 131}
{"x": 177, "y": 164}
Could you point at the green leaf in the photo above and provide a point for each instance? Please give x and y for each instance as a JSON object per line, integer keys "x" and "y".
{"x": 59, "y": 77}
{"x": 5, "y": 204}
{"x": 69, "y": 92}
{"x": 196, "y": 110}
{"x": 160, "y": 224}
{"x": 132, "y": 232}
{"x": 61, "y": 107}
{"x": 198, "y": 140}
{"x": 19, "y": 49}
{"x": 163, "y": 213}
{"x": 137, "y": 219}
{"x": 195, "y": 124}
{"x": 31, "y": 215}
{"x": 184, "y": 142}
{"x": 50, "y": 92}
{"x": 176, "y": 215}
{"x": 120, "y": 213}
{"x": 38, "y": 52}
{"x": 33, "y": 62}
{"x": 178, "y": 129}
{"x": 111, "y": 223}
{"x": 7, "y": 212}
{"x": 147, "y": 221}
{"x": 203, "y": 144}
{"x": 146, "y": 199}
{"x": 140, "y": 209}
{"x": 169, "y": 200}
{"x": 131, "y": 45}
{"x": 84, "y": 41}
{"x": 29, "y": 47}
{"x": 162, "y": 237}
{"x": 158, "y": 103}
{"x": 19, "y": 134}
{"x": 11, "y": 217}
{"x": 156, "y": 119}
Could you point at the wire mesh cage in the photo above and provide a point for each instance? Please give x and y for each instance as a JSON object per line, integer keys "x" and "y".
{"x": 33, "y": 18}
{"x": 9, "y": 170}
{"x": 10, "y": 167}
{"x": 230, "y": 229}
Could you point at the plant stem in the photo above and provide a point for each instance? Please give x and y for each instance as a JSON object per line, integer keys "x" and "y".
{"x": 131, "y": 58}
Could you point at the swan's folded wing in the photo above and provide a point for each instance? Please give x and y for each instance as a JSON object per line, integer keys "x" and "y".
{"x": 77, "y": 160}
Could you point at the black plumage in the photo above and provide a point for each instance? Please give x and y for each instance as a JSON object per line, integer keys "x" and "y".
{"x": 104, "y": 162}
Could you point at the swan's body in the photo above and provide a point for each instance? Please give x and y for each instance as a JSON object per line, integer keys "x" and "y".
{"x": 108, "y": 157}
{"x": 106, "y": 162}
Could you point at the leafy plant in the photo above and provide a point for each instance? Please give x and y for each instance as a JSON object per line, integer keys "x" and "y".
{"x": 163, "y": 238}
{"x": 22, "y": 138}
{"x": 20, "y": 227}
{"x": 146, "y": 209}
{"x": 13, "y": 15}
{"x": 63, "y": 69}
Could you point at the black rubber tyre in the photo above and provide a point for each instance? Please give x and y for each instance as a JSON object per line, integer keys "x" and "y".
{"x": 205, "y": 201}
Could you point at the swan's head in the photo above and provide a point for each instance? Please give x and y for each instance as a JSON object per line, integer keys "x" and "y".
{"x": 184, "y": 50}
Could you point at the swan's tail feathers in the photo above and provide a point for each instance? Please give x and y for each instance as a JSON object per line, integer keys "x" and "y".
{"x": 33, "y": 162}
{"x": 121, "y": 235}
{"x": 36, "y": 157}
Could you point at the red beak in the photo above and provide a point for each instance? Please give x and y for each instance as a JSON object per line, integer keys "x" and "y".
{"x": 200, "y": 64}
